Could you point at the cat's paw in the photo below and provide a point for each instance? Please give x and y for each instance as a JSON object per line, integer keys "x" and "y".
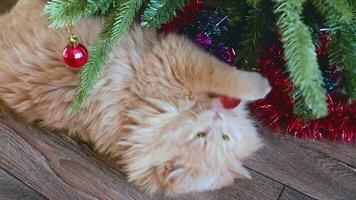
{"x": 264, "y": 87}
{"x": 259, "y": 88}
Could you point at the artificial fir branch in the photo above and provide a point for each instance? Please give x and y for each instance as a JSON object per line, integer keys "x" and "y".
{"x": 337, "y": 10}
{"x": 299, "y": 50}
{"x": 102, "y": 6}
{"x": 114, "y": 28}
{"x": 160, "y": 11}
{"x": 314, "y": 20}
{"x": 124, "y": 17}
{"x": 341, "y": 21}
{"x": 253, "y": 2}
{"x": 343, "y": 53}
{"x": 301, "y": 58}
{"x": 255, "y": 35}
{"x": 63, "y": 13}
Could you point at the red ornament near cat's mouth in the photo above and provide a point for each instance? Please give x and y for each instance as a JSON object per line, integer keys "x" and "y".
{"x": 229, "y": 102}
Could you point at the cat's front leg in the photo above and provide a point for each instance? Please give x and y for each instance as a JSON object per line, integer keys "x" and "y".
{"x": 228, "y": 81}
{"x": 245, "y": 85}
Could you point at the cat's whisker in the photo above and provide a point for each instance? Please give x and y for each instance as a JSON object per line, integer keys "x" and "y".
{"x": 194, "y": 114}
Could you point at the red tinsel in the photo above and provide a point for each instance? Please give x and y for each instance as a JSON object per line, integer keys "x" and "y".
{"x": 184, "y": 16}
{"x": 276, "y": 110}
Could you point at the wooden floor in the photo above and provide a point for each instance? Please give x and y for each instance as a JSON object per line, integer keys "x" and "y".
{"x": 36, "y": 164}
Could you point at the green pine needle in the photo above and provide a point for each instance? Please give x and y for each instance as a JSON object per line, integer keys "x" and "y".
{"x": 160, "y": 11}
{"x": 255, "y": 34}
{"x": 301, "y": 58}
{"x": 337, "y": 10}
{"x": 253, "y": 2}
{"x": 341, "y": 21}
{"x": 343, "y": 53}
{"x": 114, "y": 29}
{"x": 102, "y": 6}
{"x": 91, "y": 72}
{"x": 63, "y": 13}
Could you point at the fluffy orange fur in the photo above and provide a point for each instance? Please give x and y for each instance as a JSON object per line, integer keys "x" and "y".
{"x": 151, "y": 110}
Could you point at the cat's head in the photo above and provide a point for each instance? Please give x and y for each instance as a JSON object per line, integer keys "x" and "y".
{"x": 189, "y": 146}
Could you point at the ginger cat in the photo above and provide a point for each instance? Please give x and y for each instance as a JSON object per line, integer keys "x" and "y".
{"x": 151, "y": 110}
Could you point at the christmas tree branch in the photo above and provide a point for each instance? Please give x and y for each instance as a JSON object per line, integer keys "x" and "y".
{"x": 253, "y": 2}
{"x": 337, "y": 10}
{"x": 256, "y": 34}
{"x": 102, "y": 6}
{"x": 160, "y": 11}
{"x": 114, "y": 28}
{"x": 63, "y": 13}
{"x": 301, "y": 59}
{"x": 341, "y": 21}
{"x": 344, "y": 53}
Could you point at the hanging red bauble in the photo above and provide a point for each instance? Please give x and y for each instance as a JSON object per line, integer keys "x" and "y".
{"x": 75, "y": 55}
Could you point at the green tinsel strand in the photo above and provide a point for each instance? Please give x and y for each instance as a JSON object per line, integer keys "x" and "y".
{"x": 160, "y": 11}
{"x": 114, "y": 28}
{"x": 301, "y": 59}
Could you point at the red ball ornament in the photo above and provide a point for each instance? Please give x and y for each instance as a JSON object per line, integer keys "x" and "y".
{"x": 229, "y": 102}
{"x": 75, "y": 55}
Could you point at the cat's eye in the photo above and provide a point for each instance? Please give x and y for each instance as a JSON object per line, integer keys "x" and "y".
{"x": 201, "y": 134}
{"x": 225, "y": 137}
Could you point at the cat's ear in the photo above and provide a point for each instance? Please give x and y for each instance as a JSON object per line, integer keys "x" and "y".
{"x": 239, "y": 171}
{"x": 163, "y": 177}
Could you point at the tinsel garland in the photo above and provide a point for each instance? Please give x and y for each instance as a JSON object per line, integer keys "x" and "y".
{"x": 185, "y": 16}
{"x": 208, "y": 28}
{"x": 276, "y": 110}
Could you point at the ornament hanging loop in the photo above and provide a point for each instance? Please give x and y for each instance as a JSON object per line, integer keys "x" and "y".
{"x": 72, "y": 39}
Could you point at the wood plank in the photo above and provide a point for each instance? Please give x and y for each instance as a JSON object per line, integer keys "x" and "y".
{"x": 315, "y": 173}
{"x": 13, "y": 189}
{"x": 290, "y": 194}
{"x": 60, "y": 168}
{"x": 56, "y": 166}
{"x": 6, "y": 5}
{"x": 343, "y": 152}
{"x": 258, "y": 188}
